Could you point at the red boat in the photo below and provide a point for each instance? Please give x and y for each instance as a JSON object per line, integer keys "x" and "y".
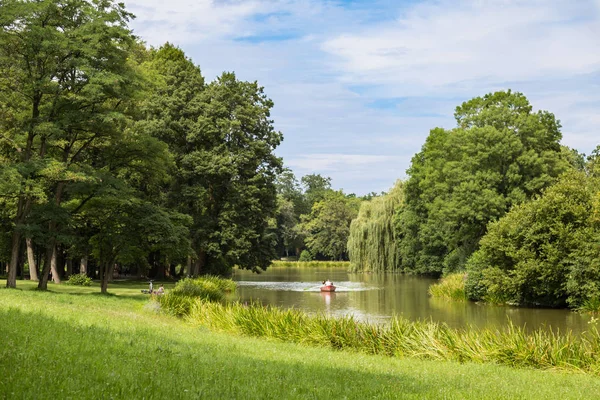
{"x": 328, "y": 288}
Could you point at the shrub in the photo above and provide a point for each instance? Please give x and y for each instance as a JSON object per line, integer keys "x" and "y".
{"x": 305, "y": 256}
{"x": 543, "y": 252}
{"x": 79, "y": 280}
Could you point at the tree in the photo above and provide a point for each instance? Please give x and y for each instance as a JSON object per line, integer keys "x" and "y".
{"x": 286, "y": 219}
{"x": 544, "y": 252}
{"x": 64, "y": 89}
{"x": 327, "y": 227}
{"x": 222, "y": 140}
{"x": 316, "y": 187}
{"x": 500, "y": 155}
{"x": 127, "y": 229}
{"x": 372, "y": 244}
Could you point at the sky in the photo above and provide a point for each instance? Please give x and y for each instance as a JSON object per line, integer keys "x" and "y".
{"x": 358, "y": 84}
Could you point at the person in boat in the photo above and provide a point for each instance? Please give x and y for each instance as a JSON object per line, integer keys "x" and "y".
{"x": 328, "y": 283}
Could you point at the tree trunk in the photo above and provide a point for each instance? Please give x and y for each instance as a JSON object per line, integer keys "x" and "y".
{"x": 69, "y": 267}
{"x": 33, "y": 272}
{"x": 200, "y": 262}
{"x": 105, "y": 270}
{"x": 83, "y": 266}
{"x": 56, "y": 275}
{"x": 11, "y": 280}
{"x": 188, "y": 268}
{"x": 43, "y": 285}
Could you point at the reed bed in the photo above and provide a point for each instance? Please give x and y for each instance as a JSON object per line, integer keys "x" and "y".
{"x": 312, "y": 264}
{"x": 511, "y": 345}
{"x": 450, "y": 287}
{"x": 180, "y": 299}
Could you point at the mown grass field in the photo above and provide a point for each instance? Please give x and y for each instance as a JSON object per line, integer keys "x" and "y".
{"x": 74, "y": 343}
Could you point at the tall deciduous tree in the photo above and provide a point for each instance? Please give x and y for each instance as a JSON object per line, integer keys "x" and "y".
{"x": 501, "y": 154}
{"x": 222, "y": 139}
{"x": 65, "y": 84}
{"x": 327, "y": 227}
{"x": 372, "y": 245}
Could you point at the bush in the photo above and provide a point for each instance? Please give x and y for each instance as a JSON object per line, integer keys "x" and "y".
{"x": 543, "y": 252}
{"x": 305, "y": 256}
{"x": 79, "y": 280}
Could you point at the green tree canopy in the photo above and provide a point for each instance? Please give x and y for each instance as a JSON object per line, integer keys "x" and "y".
{"x": 327, "y": 227}
{"x": 544, "y": 252}
{"x": 501, "y": 154}
{"x": 64, "y": 91}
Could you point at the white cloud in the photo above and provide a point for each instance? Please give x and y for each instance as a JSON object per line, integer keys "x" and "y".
{"x": 357, "y": 88}
{"x": 452, "y": 42}
{"x": 331, "y": 162}
{"x": 189, "y": 21}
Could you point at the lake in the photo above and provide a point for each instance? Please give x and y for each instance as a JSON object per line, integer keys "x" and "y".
{"x": 377, "y": 297}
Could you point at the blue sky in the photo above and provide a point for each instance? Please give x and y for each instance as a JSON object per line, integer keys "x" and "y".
{"x": 358, "y": 84}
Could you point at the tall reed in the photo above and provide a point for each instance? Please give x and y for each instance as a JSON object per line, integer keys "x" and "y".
{"x": 311, "y": 264}
{"x": 209, "y": 288}
{"x": 450, "y": 287}
{"x": 511, "y": 345}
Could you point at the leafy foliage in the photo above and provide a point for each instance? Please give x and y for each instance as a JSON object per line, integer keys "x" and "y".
{"x": 372, "y": 244}
{"x": 500, "y": 155}
{"x": 305, "y": 256}
{"x": 79, "y": 280}
{"x": 327, "y": 227}
{"x": 544, "y": 252}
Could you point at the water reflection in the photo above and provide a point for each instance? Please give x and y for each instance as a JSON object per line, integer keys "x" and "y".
{"x": 377, "y": 297}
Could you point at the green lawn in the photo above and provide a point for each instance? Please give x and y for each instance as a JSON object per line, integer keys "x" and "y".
{"x": 74, "y": 343}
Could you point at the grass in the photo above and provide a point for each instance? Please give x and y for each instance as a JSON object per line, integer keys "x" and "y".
{"x": 312, "y": 264}
{"x": 71, "y": 342}
{"x": 591, "y": 305}
{"x": 511, "y": 346}
{"x": 180, "y": 300}
{"x": 450, "y": 287}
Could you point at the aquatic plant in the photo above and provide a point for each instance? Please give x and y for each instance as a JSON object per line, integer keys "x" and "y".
{"x": 511, "y": 345}
{"x": 450, "y": 287}
{"x": 180, "y": 299}
{"x": 312, "y": 264}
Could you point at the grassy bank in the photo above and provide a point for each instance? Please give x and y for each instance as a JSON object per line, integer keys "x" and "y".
{"x": 511, "y": 346}
{"x": 73, "y": 343}
{"x": 312, "y": 264}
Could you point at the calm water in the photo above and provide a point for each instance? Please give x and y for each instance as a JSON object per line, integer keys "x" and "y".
{"x": 376, "y": 297}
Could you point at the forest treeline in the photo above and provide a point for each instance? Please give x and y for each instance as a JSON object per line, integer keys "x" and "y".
{"x": 497, "y": 197}
{"x": 114, "y": 154}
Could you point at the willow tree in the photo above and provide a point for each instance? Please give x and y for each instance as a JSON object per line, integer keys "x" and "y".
{"x": 372, "y": 243}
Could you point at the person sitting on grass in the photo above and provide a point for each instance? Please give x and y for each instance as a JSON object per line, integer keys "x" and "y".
{"x": 161, "y": 290}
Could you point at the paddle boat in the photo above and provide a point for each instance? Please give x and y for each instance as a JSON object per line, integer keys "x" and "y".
{"x": 328, "y": 288}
